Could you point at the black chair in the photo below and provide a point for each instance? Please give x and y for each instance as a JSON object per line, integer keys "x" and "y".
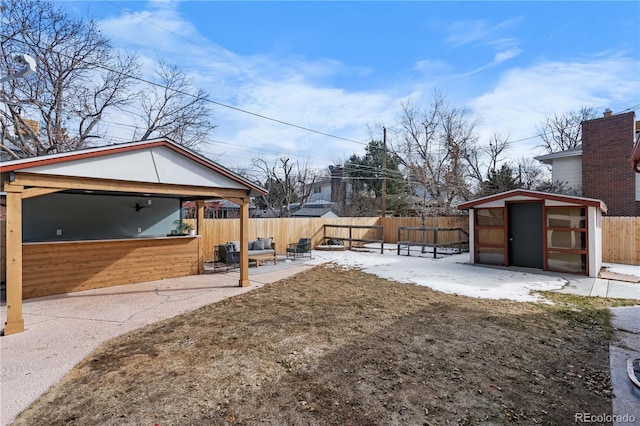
{"x": 227, "y": 255}
{"x": 300, "y": 249}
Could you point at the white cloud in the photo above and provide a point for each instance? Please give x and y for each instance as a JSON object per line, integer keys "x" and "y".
{"x": 477, "y": 31}
{"x": 302, "y": 92}
{"x": 523, "y": 97}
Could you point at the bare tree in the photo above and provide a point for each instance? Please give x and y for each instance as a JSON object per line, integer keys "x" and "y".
{"x": 484, "y": 160}
{"x": 433, "y": 149}
{"x": 287, "y": 182}
{"x": 564, "y": 131}
{"x": 175, "y": 109}
{"x": 79, "y": 78}
{"x": 531, "y": 174}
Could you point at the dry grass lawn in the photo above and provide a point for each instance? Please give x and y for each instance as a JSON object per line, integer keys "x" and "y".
{"x": 336, "y": 346}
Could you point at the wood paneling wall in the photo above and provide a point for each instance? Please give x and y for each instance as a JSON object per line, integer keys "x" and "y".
{"x": 64, "y": 267}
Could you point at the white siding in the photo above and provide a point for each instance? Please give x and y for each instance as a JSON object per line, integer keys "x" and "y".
{"x": 637, "y": 186}
{"x": 567, "y": 170}
{"x": 595, "y": 241}
{"x": 155, "y": 165}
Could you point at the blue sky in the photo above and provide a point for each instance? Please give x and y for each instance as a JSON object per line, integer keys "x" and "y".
{"x": 344, "y": 68}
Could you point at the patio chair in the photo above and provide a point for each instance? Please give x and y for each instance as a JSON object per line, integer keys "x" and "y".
{"x": 228, "y": 256}
{"x": 300, "y": 249}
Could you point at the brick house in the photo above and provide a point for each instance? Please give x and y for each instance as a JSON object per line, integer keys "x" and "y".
{"x": 599, "y": 166}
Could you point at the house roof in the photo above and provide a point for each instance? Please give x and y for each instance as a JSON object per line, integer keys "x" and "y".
{"x": 526, "y": 195}
{"x": 152, "y": 161}
{"x": 571, "y": 152}
{"x": 313, "y": 212}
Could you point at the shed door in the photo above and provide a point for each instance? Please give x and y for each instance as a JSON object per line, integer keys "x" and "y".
{"x": 525, "y": 234}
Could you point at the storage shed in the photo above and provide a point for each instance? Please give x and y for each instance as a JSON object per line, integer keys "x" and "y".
{"x": 103, "y": 216}
{"x": 537, "y": 230}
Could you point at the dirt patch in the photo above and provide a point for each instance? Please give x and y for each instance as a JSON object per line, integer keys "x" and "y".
{"x": 336, "y": 346}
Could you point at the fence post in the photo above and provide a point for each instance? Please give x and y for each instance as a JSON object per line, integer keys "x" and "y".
{"x": 435, "y": 242}
{"x": 382, "y": 242}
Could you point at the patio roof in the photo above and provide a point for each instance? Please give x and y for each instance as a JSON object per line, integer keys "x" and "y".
{"x": 157, "y": 161}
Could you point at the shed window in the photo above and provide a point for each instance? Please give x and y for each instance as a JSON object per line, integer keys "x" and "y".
{"x": 490, "y": 255}
{"x": 490, "y": 236}
{"x": 567, "y": 262}
{"x": 566, "y": 239}
{"x": 490, "y": 217}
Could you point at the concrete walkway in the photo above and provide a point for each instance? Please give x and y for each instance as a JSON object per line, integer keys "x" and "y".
{"x": 62, "y": 330}
{"x": 624, "y": 345}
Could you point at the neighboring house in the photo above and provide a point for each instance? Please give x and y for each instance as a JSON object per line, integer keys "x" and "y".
{"x": 599, "y": 165}
{"x": 566, "y": 166}
{"x": 333, "y": 189}
{"x": 315, "y": 212}
{"x": 215, "y": 209}
{"x": 320, "y": 191}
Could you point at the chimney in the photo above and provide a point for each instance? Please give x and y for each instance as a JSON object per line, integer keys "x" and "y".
{"x": 608, "y": 112}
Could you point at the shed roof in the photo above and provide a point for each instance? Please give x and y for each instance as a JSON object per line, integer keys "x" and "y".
{"x": 152, "y": 161}
{"x": 524, "y": 195}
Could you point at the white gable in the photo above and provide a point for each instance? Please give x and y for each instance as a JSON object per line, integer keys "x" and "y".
{"x": 158, "y": 164}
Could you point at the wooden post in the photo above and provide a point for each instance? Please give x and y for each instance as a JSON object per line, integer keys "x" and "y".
{"x": 14, "y": 323}
{"x": 244, "y": 243}
{"x": 200, "y": 232}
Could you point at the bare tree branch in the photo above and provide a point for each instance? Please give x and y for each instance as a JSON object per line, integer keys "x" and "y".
{"x": 70, "y": 93}
{"x": 174, "y": 109}
{"x": 564, "y": 131}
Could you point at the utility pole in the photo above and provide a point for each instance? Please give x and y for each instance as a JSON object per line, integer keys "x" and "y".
{"x": 384, "y": 172}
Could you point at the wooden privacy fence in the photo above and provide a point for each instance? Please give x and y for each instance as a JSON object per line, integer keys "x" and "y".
{"x": 283, "y": 230}
{"x": 620, "y": 235}
{"x": 621, "y": 240}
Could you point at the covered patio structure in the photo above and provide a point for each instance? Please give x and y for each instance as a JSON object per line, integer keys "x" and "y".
{"x": 103, "y": 216}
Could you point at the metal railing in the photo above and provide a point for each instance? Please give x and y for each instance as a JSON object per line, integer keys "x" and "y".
{"x": 434, "y": 242}
{"x": 350, "y": 238}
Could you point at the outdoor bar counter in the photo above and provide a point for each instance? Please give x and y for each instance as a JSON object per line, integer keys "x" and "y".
{"x": 67, "y": 266}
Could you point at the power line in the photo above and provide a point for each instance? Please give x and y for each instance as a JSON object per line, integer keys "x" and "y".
{"x": 206, "y": 99}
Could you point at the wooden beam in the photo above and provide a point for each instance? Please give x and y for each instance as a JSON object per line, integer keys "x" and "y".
{"x": 244, "y": 243}
{"x": 13, "y": 241}
{"x": 70, "y": 182}
{"x": 200, "y": 231}
{"x": 238, "y": 201}
{"x": 36, "y": 192}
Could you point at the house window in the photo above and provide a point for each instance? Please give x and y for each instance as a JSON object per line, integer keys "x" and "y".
{"x": 566, "y": 235}
{"x": 489, "y": 236}
{"x": 317, "y": 189}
